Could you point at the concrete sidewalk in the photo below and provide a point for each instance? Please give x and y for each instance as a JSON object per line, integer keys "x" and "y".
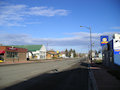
{"x": 8, "y": 63}
{"x": 104, "y": 80}
{"x": 30, "y": 61}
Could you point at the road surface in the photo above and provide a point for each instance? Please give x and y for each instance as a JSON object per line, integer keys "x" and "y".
{"x": 55, "y": 75}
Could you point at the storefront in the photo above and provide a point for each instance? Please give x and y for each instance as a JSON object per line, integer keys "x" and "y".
{"x": 12, "y": 54}
{"x": 111, "y": 51}
{"x": 35, "y": 52}
{"x": 51, "y": 54}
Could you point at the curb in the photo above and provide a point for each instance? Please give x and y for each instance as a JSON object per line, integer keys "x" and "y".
{"x": 32, "y": 61}
{"x": 92, "y": 80}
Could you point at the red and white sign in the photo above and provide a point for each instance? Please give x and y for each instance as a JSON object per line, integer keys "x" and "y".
{"x": 11, "y": 48}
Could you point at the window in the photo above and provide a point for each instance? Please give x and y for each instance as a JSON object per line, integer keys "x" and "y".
{"x": 12, "y": 54}
{"x": 41, "y": 56}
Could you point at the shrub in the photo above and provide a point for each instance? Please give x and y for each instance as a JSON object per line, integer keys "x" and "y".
{"x": 98, "y": 61}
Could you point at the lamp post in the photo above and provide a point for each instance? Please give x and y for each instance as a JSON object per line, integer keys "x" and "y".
{"x": 90, "y": 42}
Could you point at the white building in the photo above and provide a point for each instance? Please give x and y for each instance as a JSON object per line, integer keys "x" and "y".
{"x": 39, "y": 53}
{"x": 35, "y": 51}
{"x": 63, "y": 55}
{"x": 71, "y": 56}
{"x": 93, "y": 53}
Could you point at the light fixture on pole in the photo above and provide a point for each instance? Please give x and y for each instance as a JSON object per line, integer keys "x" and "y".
{"x": 90, "y": 42}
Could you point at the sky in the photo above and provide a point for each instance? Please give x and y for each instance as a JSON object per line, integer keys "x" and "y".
{"x": 56, "y": 23}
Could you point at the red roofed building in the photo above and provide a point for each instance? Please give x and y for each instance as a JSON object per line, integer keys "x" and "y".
{"x": 12, "y": 54}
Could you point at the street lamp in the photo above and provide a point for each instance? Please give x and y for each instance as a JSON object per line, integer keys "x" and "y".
{"x": 90, "y": 42}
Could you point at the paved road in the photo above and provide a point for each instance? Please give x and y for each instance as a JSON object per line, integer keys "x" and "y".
{"x": 13, "y": 74}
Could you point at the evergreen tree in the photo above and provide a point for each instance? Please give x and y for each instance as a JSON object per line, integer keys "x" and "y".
{"x": 70, "y": 51}
{"x": 66, "y": 53}
{"x": 74, "y": 53}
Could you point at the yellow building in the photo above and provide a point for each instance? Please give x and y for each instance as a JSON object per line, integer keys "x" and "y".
{"x": 51, "y": 54}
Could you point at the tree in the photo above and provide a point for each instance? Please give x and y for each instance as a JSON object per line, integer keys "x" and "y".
{"x": 66, "y": 53}
{"x": 74, "y": 53}
{"x": 69, "y": 53}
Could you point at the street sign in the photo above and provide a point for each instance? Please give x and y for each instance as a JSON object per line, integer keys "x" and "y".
{"x": 11, "y": 48}
{"x": 103, "y": 40}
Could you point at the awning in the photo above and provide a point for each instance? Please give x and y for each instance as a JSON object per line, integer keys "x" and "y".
{"x": 2, "y": 51}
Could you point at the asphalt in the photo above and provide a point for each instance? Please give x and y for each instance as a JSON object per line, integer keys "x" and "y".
{"x": 16, "y": 74}
{"x": 57, "y": 75}
{"x": 74, "y": 78}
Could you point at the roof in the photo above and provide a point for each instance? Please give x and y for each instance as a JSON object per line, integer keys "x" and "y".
{"x": 29, "y": 47}
{"x": 52, "y": 52}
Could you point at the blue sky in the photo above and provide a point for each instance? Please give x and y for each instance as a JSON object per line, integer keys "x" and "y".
{"x": 57, "y": 22}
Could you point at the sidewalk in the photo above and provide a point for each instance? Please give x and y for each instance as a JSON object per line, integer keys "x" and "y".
{"x": 104, "y": 80}
{"x": 20, "y": 62}
{"x": 30, "y": 61}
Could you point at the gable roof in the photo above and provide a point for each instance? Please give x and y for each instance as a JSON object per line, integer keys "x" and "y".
{"x": 52, "y": 52}
{"x": 29, "y": 47}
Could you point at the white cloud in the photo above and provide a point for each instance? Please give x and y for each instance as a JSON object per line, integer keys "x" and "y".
{"x": 33, "y": 23}
{"x": 11, "y": 15}
{"x": 14, "y": 15}
{"x": 80, "y": 40}
{"x": 76, "y": 40}
{"x": 115, "y": 28}
{"x": 81, "y": 34}
{"x": 45, "y": 11}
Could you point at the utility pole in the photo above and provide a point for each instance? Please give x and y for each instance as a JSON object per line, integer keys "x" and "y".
{"x": 90, "y": 42}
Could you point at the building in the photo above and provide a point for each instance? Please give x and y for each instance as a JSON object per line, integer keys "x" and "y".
{"x": 111, "y": 51}
{"x": 12, "y": 54}
{"x": 62, "y": 54}
{"x": 100, "y": 56}
{"x": 35, "y": 52}
{"x": 93, "y": 54}
{"x": 72, "y": 55}
{"x": 51, "y": 54}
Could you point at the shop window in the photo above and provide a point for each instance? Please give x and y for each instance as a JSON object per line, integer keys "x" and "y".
{"x": 41, "y": 56}
{"x": 12, "y": 54}
{"x": 1, "y": 57}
